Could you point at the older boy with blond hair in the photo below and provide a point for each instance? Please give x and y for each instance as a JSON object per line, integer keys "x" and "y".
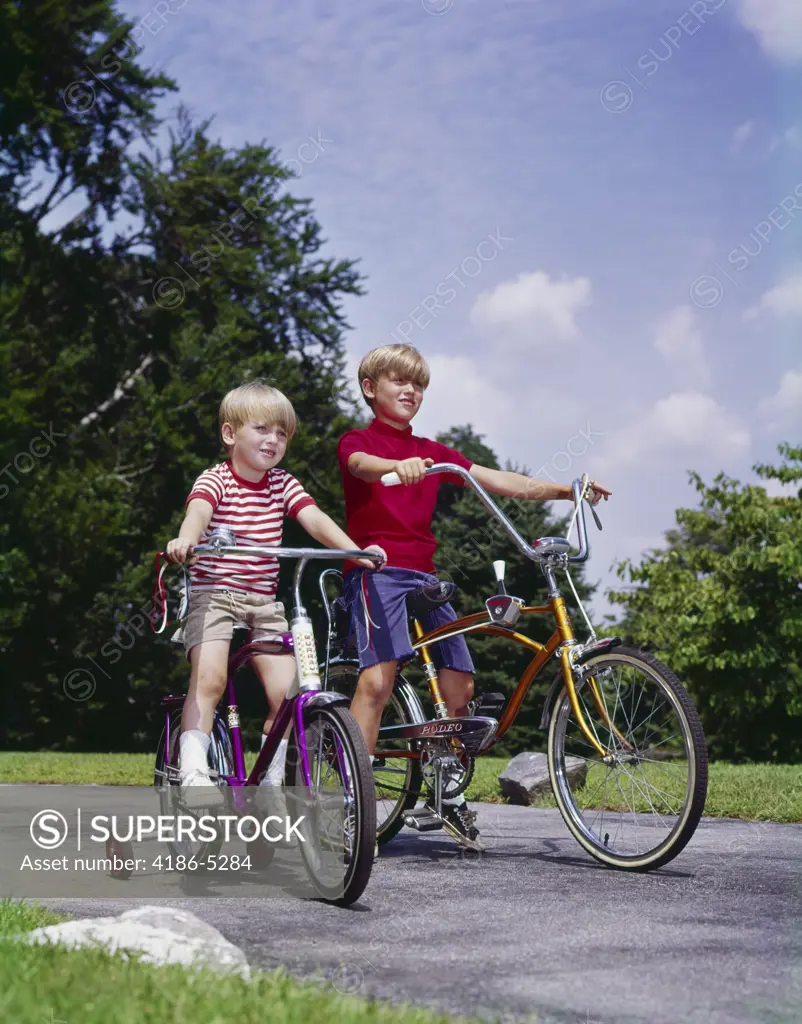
{"x": 393, "y": 379}
{"x": 249, "y": 494}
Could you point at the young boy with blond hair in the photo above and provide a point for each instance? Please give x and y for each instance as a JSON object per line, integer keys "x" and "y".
{"x": 250, "y": 495}
{"x": 393, "y": 379}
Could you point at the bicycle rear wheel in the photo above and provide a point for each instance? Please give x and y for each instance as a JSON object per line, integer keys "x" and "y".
{"x": 220, "y": 757}
{"x": 338, "y": 762}
{"x": 398, "y": 780}
{"x": 166, "y": 777}
{"x": 638, "y": 807}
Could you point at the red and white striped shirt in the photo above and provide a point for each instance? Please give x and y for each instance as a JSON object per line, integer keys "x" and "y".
{"x": 255, "y": 512}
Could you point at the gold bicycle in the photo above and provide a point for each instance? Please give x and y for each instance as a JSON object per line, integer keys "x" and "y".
{"x": 627, "y": 757}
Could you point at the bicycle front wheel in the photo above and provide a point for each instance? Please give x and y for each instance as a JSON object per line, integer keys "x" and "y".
{"x": 637, "y": 807}
{"x": 339, "y": 763}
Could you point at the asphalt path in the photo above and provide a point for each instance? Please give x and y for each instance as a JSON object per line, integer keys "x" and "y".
{"x": 534, "y": 929}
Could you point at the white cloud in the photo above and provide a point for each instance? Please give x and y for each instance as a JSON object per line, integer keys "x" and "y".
{"x": 533, "y": 306}
{"x": 679, "y": 341}
{"x": 784, "y": 407}
{"x": 741, "y": 135}
{"x": 459, "y": 387}
{"x": 777, "y": 25}
{"x": 686, "y": 421}
{"x": 784, "y": 299}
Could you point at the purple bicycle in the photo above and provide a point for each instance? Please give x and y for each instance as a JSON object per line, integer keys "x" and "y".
{"x": 326, "y": 754}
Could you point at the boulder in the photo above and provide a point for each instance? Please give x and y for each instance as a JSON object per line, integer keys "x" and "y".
{"x": 162, "y": 935}
{"x": 526, "y": 777}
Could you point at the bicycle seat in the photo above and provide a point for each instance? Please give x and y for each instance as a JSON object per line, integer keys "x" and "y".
{"x": 341, "y": 618}
{"x": 428, "y": 598}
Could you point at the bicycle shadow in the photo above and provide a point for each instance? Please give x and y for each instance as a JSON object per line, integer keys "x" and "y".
{"x": 437, "y": 850}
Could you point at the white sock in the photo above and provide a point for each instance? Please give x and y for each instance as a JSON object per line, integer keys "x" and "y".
{"x": 274, "y": 776}
{"x": 193, "y": 748}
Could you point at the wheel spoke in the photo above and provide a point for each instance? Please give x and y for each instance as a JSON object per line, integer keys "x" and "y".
{"x": 636, "y": 806}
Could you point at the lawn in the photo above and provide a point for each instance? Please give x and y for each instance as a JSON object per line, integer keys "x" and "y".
{"x": 756, "y": 792}
{"x": 49, "y": 983}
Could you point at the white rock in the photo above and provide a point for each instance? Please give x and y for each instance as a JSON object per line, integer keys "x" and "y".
{"x": 163, "y": 935}
{"x": 526, "y": 777}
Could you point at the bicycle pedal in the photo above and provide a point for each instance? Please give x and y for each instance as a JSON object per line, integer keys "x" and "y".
{"x": 423, "y": 820}
{"x": 489, "y": 702}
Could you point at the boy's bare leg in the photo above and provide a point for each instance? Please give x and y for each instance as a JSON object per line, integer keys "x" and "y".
{"x": 276, "y": 673}
{"x": 457, "y": 690}
{"x": 372, "y": 693}
{"x": 207, "y": 680}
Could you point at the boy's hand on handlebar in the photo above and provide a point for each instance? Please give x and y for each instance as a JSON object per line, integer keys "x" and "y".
{"x": 412, "y": 471}
{"x": 596, "y": 492}
{"x": 369, "y": 563}
{"x": 179, "y": 550}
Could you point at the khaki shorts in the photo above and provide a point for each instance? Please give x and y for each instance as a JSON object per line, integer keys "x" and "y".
{"x": 213, "y": 614}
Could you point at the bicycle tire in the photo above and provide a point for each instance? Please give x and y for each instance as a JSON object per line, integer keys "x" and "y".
{"x": 220, "y": 757}
{"x": 166, "y": 775}
{"x": 359, "y": 790}
{"x": 678, "y": 822}
{"x": 393, "y": 801}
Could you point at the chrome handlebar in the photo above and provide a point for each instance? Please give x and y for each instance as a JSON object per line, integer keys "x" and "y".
{"x": 223, "y": 546}
{"x": 547, "y": 544}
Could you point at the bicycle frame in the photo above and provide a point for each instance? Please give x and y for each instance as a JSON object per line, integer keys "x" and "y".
{"x": 291, "y": 711}
{"x": 559, "y": 644}
{"x": 306, "y": 690}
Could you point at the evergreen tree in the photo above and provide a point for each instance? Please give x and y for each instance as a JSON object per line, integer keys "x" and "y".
{"x": 184, "y": 273}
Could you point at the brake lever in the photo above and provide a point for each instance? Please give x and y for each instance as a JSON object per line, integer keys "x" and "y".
{"x": 596, "y": 519}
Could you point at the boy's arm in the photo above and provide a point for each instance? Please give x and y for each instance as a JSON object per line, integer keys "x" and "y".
{"x": 323, "y": 528}
{"x": 371, "y": 468}
{"x": 516, "y": 485}
{"x": 198, "y": 517}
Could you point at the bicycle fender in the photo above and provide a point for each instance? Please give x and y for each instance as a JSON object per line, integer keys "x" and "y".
{"x": 591, "y": 651}
{"x": 323, "y": 697}
{"x": 413, "y": 700}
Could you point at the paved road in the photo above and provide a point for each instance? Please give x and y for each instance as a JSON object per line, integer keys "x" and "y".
{"x": 535, "y": 929}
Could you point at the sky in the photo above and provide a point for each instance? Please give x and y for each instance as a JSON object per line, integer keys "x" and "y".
{"x": 587, "y": 216}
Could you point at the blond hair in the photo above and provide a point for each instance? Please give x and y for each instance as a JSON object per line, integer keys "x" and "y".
{"x": 257, "y": 401}
{"x": 405, "y": 360}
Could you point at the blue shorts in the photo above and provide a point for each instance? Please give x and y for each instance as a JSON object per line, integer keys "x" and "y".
{"x": 388, "y": 636}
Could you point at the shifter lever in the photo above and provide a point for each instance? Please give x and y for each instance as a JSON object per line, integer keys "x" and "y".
{"x": 498, "y": 569}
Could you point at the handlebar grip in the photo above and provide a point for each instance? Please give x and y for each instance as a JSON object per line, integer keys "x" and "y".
{"x": 391, "y": 479}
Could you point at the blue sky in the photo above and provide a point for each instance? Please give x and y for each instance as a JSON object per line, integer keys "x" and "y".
{"x": 599, "y": 184}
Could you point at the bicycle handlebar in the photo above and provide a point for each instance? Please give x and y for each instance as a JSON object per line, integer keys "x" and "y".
{"x": 303, "y": 555}
{"x": 528, "y": 550}
{"x": 333, "y": 554}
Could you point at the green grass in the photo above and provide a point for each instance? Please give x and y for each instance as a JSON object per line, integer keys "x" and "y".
{"x": 49, "y": 983}
{"x": 756, "y": 792}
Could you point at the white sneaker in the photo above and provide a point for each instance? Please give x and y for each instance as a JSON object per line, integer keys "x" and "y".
{"x": 198, "y": 789}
